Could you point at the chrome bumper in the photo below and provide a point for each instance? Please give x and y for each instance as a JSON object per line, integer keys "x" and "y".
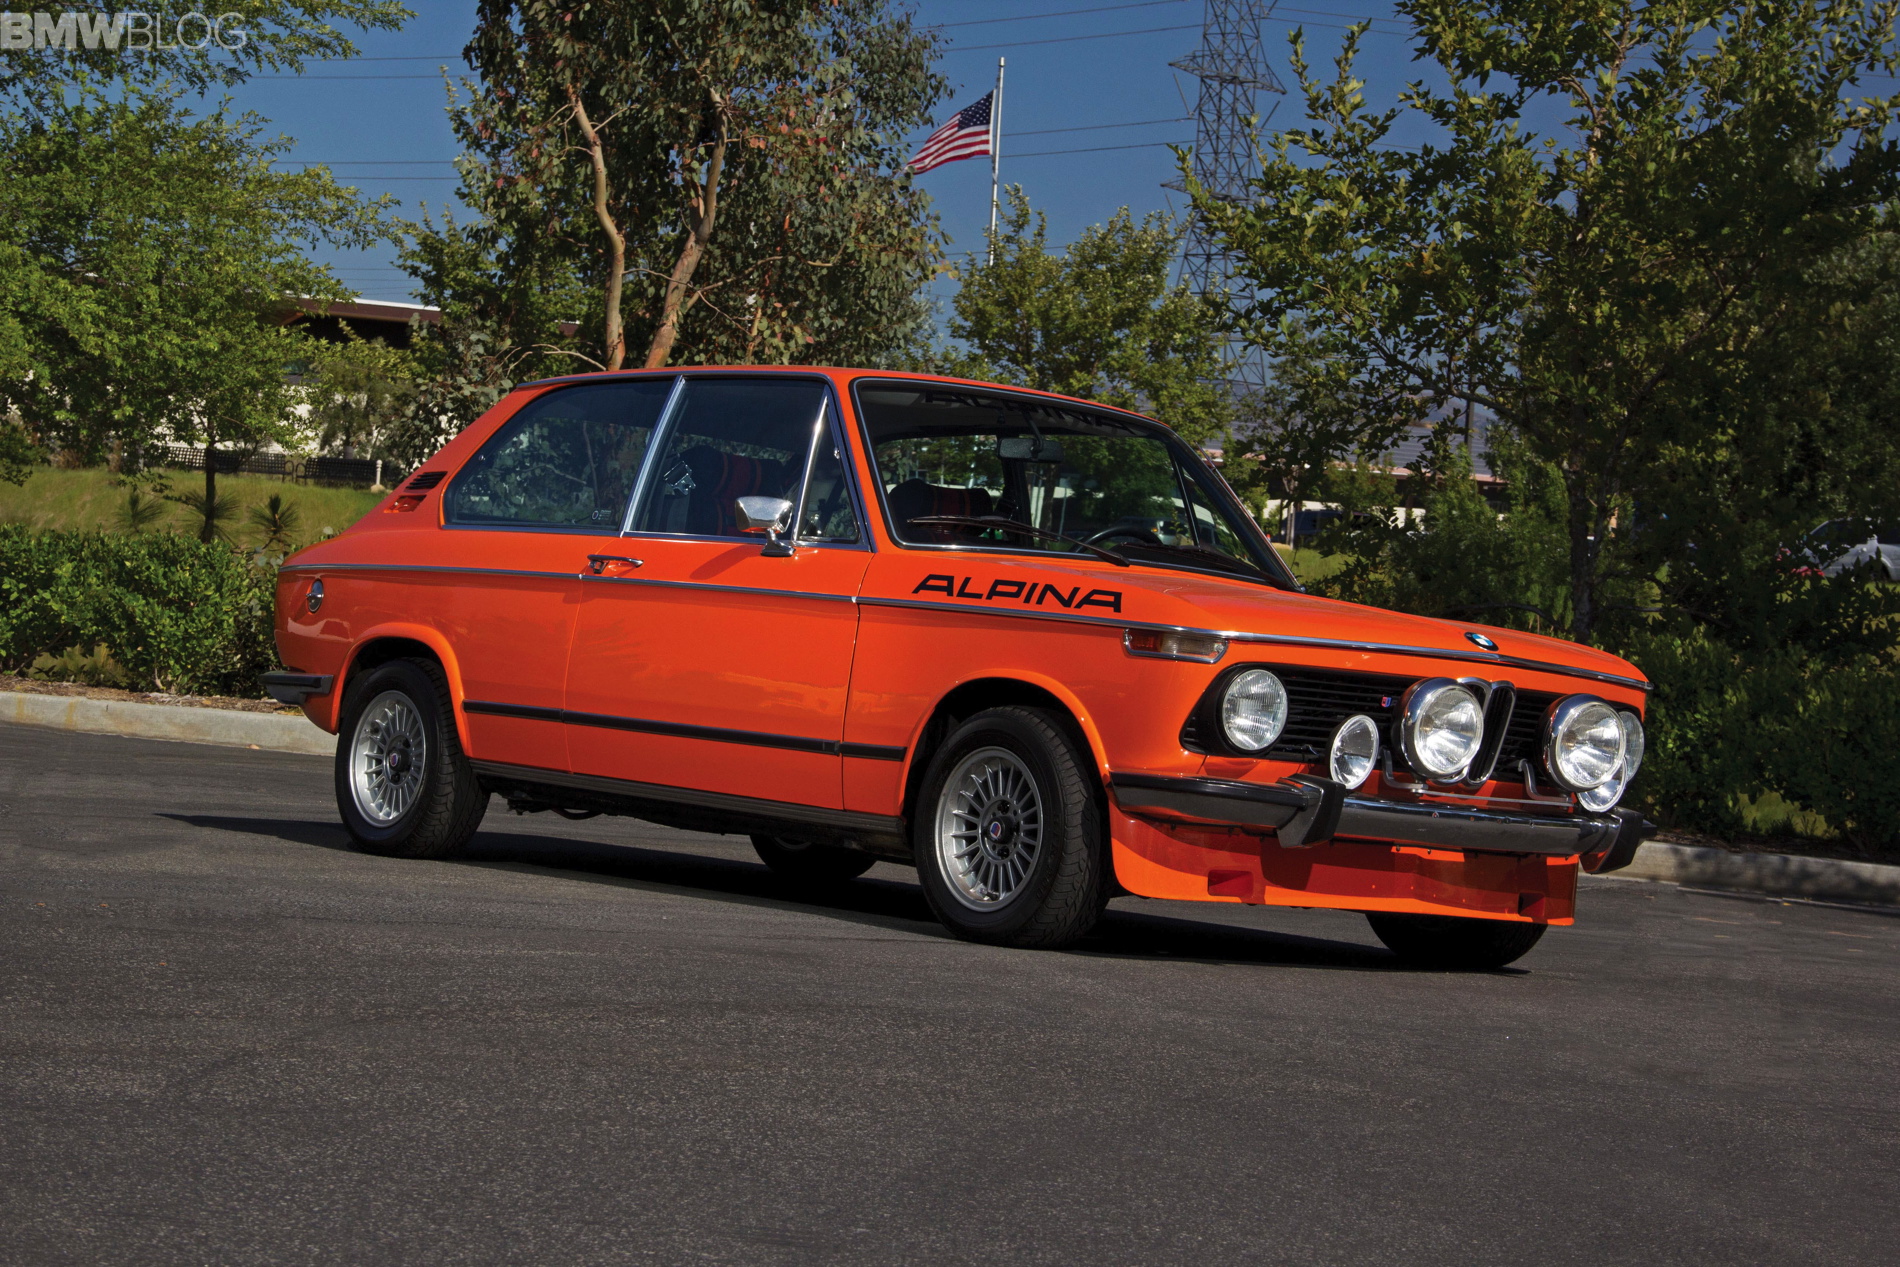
{"x": 1309, "y": 811}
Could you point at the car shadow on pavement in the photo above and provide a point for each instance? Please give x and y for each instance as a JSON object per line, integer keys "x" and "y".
{"x": 890, "y": 904}
{"x": 1125, "y": 934}
{"x": 297, "y": 831}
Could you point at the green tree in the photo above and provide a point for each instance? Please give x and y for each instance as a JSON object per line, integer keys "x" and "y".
{"x": 1624, "y": 210}
{"x": 357, "y": 392}
{"x": 1099, "y": 321}
{"x": 725, "y": 176}
{"x": 155, "y": 247}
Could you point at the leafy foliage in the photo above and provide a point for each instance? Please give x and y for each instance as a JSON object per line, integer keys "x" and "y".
{"x": 1100, "y": 321}
{"x": 724, "y": 178}
{"x": 178, "y": 614}
{"x": 1606, "y": 286}
{"x": 76, "y": 664}
{"x": 140, "y": 512}
{"x": 153, "y": 250}
{"x": 276, "y": 523}
{"x": 357, "y": 391}
{"x": 215, "y": 514}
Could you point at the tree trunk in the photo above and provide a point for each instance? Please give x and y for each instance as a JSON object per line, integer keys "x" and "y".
{"x": 613, "y": 335}
{"x": 1586, "y": 546}
{"x": 705, "y": 209}
{"x": 207, "y": 530}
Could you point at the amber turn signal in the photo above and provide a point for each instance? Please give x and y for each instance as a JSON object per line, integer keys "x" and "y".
{"x": 1165, "y": 645}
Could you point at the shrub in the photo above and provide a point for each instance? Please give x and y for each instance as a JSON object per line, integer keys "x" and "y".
{"x": 179, "y": 614}
{"x": 1727, "y": 728}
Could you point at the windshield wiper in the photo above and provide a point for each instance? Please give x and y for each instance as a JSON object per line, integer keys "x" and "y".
{"x": 1226, "y": 561}
{"x": 1016, "y": 525}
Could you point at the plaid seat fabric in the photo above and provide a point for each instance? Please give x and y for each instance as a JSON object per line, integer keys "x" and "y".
{"x": 719, "y": 480}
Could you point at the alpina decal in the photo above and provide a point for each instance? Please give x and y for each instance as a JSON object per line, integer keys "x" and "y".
{"x": 1027, "y": 593}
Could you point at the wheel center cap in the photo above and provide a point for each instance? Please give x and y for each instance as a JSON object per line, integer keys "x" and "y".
{"x": 1000, "y": 830}
{"x": 398, "y": 762}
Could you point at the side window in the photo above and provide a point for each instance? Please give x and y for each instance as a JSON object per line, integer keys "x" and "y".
{"x": 829, "y": 515}
{"x": 1211, "y": 528}
{"x": 568, "y": 460}
{"x": 730, "y": 439}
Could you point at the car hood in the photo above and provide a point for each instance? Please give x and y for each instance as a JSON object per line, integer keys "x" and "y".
{"x": 1282, "y": 615}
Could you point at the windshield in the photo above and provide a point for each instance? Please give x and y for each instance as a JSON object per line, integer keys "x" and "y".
{"x": 953, "y": 453}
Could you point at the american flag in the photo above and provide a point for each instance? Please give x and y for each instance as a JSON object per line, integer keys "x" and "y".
{"x": 967, "y": 135}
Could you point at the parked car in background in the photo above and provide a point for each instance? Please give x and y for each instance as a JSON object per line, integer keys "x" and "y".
{"x": 1842, "y": 545}
{"x": 1029, "y": 645}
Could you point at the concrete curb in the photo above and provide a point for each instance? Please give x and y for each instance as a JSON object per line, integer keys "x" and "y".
{"x": 277, "y": 732}
{"x": 1771, "y": 874}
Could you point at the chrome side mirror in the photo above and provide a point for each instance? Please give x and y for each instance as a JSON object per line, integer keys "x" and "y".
{"x": 770, "y": 515}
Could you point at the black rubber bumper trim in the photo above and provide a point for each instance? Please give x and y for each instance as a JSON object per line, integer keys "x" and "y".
{"x": 1431, "y": 826}
{"x": 1214, "y": 800}
{"x": 295, "y": 688}
{"x": 1622, "y": 851}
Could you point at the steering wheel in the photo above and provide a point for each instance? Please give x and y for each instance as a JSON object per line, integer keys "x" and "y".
{"x": 1143, "y": 535}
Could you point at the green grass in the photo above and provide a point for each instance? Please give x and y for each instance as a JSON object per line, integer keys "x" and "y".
{"x": 90, "y": 500}
{"x": 1310, "y": 565}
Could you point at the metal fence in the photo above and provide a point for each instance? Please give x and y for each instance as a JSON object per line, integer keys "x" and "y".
{"x": 340, "y": 472}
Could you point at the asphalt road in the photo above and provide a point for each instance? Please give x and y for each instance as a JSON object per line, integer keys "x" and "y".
{"x": 226, "y": 1038}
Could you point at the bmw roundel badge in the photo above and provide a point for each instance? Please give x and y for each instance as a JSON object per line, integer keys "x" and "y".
{"x": 1482, "y": 641}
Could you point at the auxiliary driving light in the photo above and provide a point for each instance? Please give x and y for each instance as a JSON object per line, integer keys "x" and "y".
{"x": 1354, "y": 751}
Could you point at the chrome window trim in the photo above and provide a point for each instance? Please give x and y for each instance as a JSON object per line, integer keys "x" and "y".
{"x": 661, "y": 429}
{"x": 827, "y": 407}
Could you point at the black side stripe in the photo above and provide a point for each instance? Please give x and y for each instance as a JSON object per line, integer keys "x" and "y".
{"x": 680, "y": 730}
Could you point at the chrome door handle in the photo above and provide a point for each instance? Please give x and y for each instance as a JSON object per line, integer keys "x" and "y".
{"x": 597, "y": 563}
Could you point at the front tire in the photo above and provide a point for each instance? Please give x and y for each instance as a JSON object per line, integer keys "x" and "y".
{"x": 403, "y": 785}
{"x": 1008, "y": 832}
{"x": 811, "y": 863}
{"x": 1453, "y": 943}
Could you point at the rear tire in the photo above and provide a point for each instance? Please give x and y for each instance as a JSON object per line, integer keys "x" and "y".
{"x": 1008, "y": 832}
{"x": 1453, "y": 943}
{"x": 403, "y": 785}
{"x": 811, "y": 863}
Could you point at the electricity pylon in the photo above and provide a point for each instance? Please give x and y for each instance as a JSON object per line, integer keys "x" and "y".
{"x": 1232, "y": 68}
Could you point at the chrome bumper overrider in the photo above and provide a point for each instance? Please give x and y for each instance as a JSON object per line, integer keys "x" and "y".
{"x": 1309, "y": 811}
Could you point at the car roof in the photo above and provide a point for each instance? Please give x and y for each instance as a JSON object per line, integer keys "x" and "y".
{"x": 840, "y": 375}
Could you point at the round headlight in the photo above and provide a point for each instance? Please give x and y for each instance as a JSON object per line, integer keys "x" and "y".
{"x": 1441, "y": 728}
{"x": 1584, "y": 743}
{"x": 1633, "y": 742}
{"x": 1355, "y": 750}
{"x": 1253, "y": 711}
{"x": 1608, "y": 793}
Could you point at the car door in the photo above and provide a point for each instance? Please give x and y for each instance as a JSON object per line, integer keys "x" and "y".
{"x": 518, "y": 519}
{"x": 720, "y": 662}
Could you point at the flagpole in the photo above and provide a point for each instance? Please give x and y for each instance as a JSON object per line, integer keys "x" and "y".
{"x": 996, "y": 148}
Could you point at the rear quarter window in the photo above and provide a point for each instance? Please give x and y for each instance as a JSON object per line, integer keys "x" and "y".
{"x": 568, "y": 460}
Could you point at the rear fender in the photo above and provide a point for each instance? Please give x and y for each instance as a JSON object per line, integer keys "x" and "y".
{"x": 331, "y": 706}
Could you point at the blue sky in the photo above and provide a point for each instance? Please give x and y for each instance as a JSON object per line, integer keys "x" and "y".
{"x": 380, "y": 121}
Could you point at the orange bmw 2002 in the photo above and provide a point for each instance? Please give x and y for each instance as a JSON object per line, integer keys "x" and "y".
{"x": 1033, "y": 646}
